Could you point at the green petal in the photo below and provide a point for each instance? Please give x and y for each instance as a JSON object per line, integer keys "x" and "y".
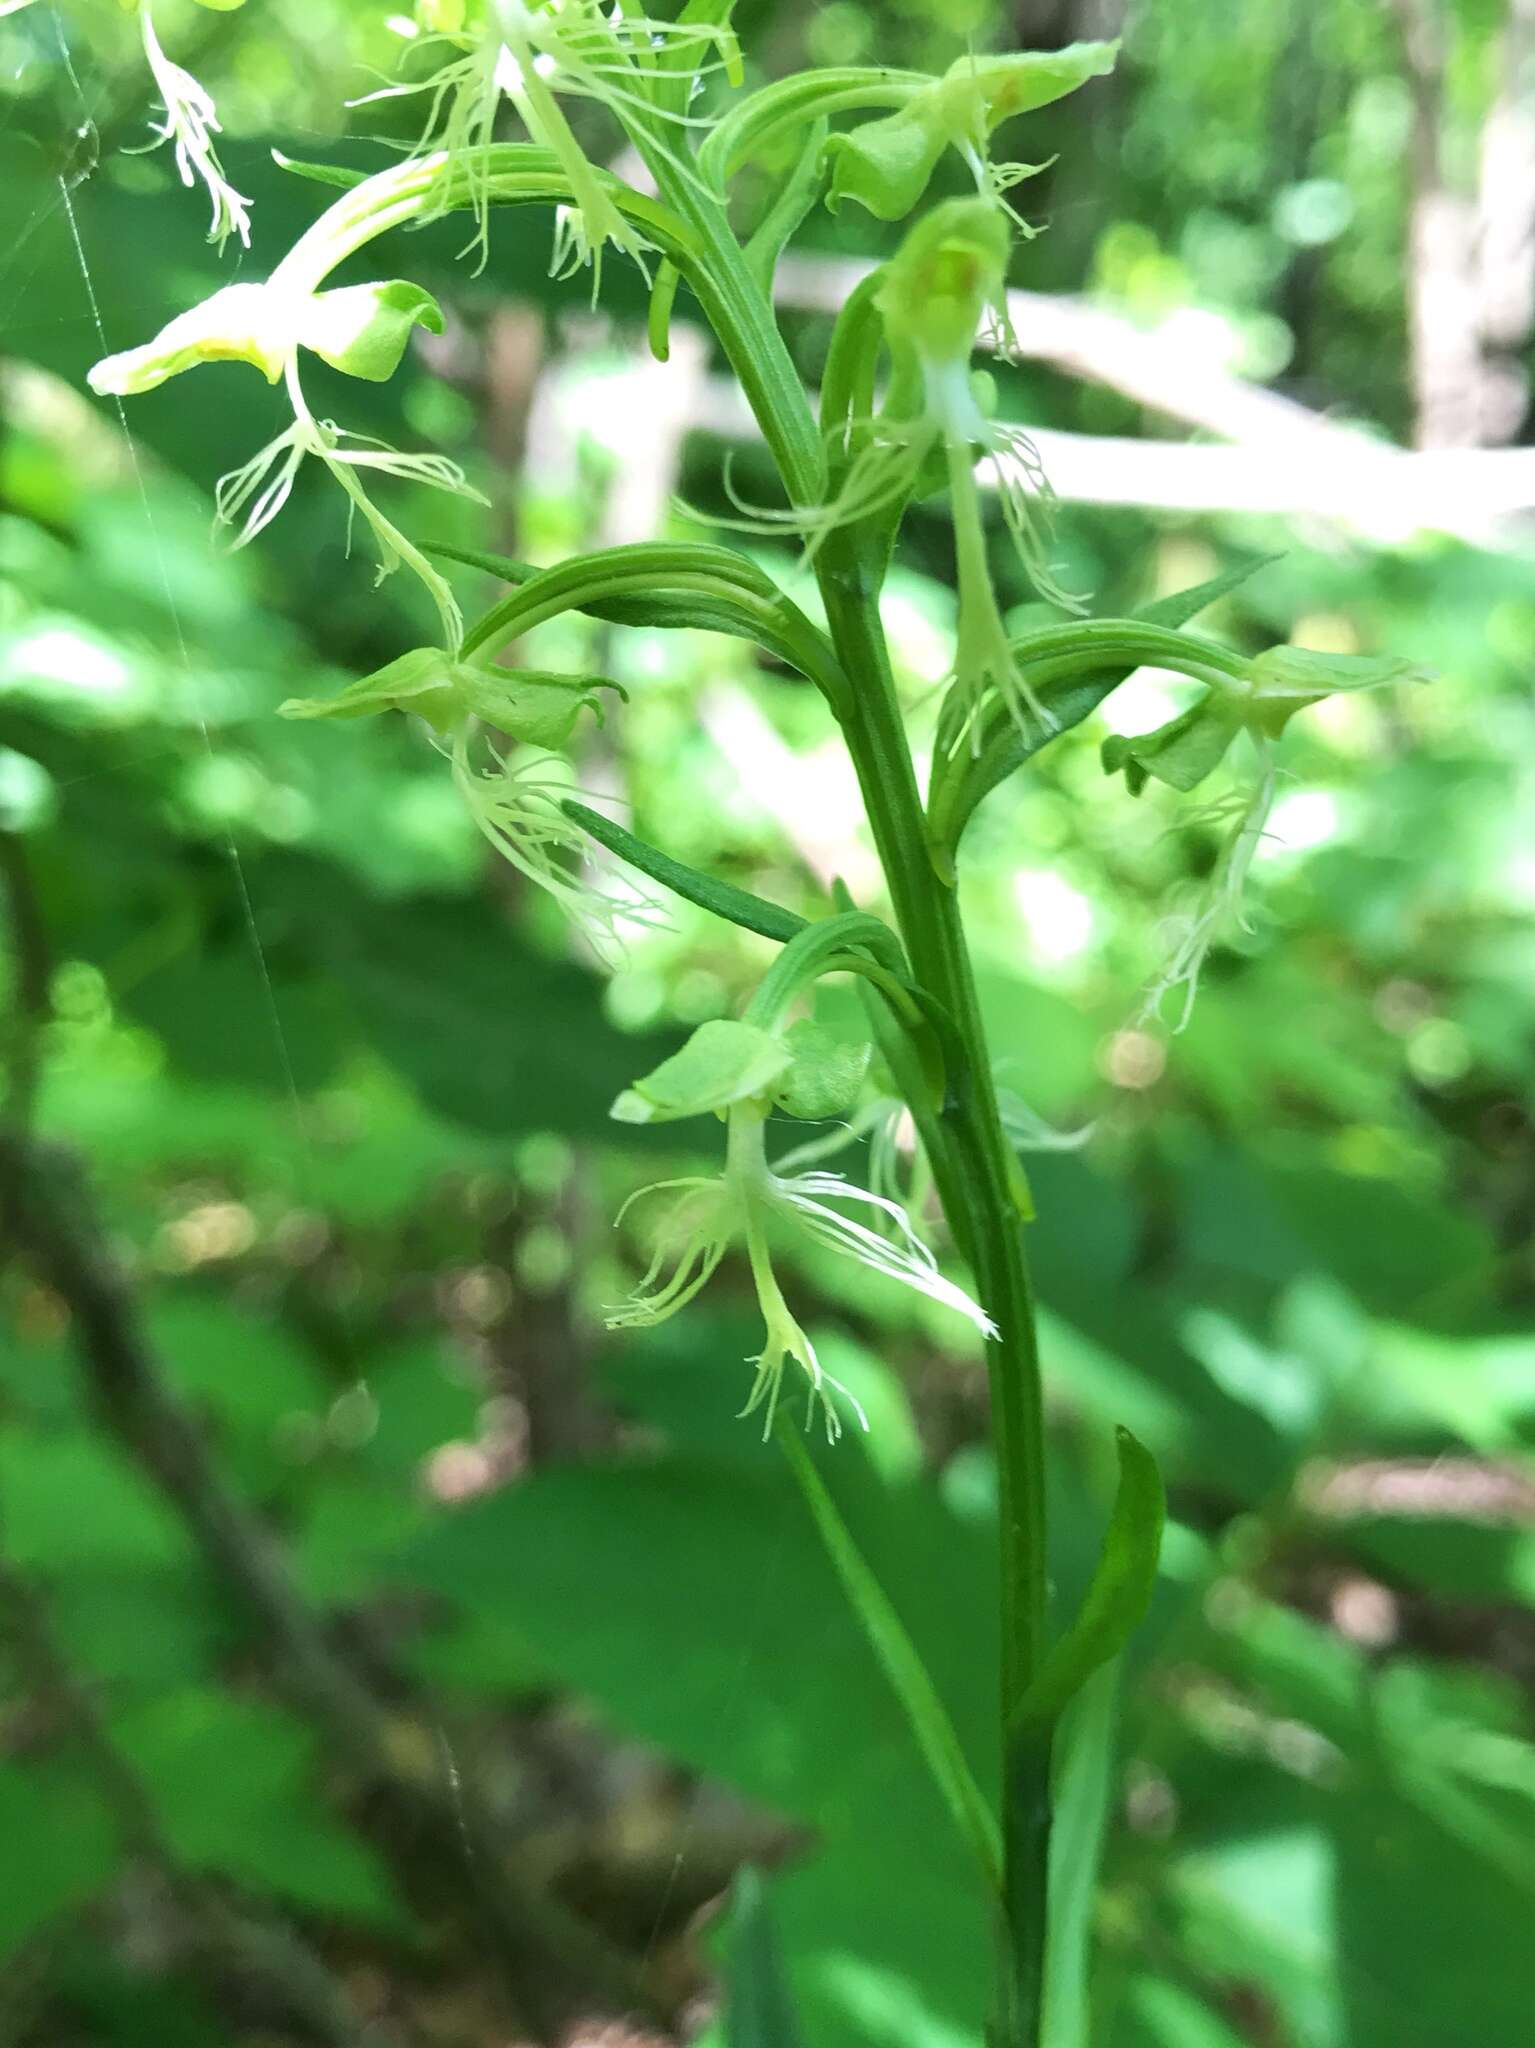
{"x": 1182, "y": 752}
{"x": 364, "y": 329}
{"x": 885, "y": 165}
{"x": 1287, "y": 679}
{"x": 993, "y": 89}
{"x": 422, "y": 681}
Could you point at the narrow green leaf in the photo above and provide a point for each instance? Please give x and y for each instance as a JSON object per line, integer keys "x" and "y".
{"x": 1179, "y": 606}
{"x": 758, "y": 2010}
{"x": 1084, "y": 1778}
{"x": 899, "y": 1660}
{"x": 738, "y": 906}
{"x": 1118, "y": 1597}
{"x": 319, "y": 174}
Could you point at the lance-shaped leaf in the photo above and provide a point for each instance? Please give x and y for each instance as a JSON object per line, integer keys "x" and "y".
{"x": 1117, "y": 1599}
{"x": 723, "y": 1062}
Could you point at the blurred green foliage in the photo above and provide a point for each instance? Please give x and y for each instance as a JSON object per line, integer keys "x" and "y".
{"x": 344, "y": 1103}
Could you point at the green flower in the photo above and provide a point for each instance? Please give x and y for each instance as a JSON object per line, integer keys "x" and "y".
{"x": 947, "y": 276}
{"x": 1191, "y": 746}
{"x": 533, "y": 55}
{"x": 886, "y": 164}
{"x": 738, "y": 1070}
{"x": 517, "y": 806}
{"x": 536, "y": 706}
{"x": 362, "y": 330}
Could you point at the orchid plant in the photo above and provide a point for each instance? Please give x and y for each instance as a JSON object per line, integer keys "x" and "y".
{"x": 902, "y": 414}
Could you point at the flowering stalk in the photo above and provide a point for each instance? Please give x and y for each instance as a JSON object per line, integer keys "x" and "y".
{"x": 846, "y": 484}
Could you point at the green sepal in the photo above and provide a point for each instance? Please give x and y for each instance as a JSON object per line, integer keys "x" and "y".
{"x": 825, "y": 1075}
{"x": 1286, "y": 679}
{"x": 538, "y": 706}
{"x": 241, "y": 323}
{"x": 947, "y": 271}
{"x": 723, "y": 1062}
{"x": 886, "y": 164}
{"x": 986, "y": 91}
{"x": 365, "y": 329}
{"x": 421, "y": 681}
{"x": 1118, "y": 1597}
{"x": 1182, "y": 752}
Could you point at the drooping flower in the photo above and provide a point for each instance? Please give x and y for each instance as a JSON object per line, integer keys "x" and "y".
{"x": 518, "y": 805}
{"x": 886, "y": 164}
{"x": 362, "y": 330}
{"x": 739, "y": 1070}
{"x": 1191, "y": 746}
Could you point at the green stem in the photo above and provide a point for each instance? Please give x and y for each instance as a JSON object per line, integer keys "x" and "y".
{"x": 973, "y": 1166}
{"x": 977, "y": 1182}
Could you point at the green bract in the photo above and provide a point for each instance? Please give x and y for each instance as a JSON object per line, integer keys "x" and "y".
{"x": 362, "y": 329}
{"x": 885, "y": 165}
{"x": 536, "y": 706}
